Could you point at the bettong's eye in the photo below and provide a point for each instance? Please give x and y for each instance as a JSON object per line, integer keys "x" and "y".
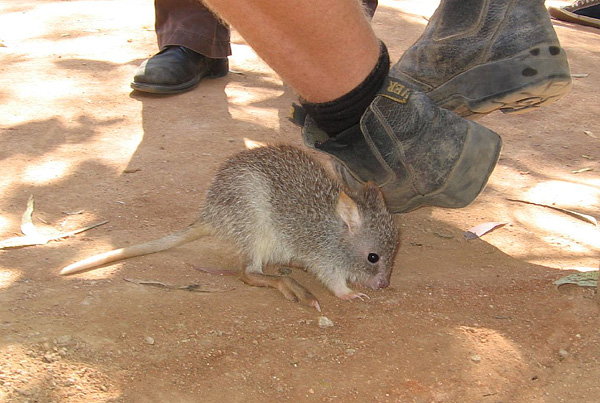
{"x": 373, "y": 258}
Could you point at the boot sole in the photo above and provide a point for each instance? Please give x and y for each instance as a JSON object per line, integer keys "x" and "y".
{"x": 468, "y": 178}
{"x": 526, "y": 81}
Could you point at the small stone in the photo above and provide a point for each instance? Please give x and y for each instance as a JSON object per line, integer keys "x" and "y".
{"x": 50, "y": 357}
{"x": 563, "y": 353}
{"x": 87, "y": 300}
{"x": 325, "y": 322}
{"x": 103, "y": 388}
{"x": 476, "y": 358}
{"x": 23, "y": 392}
{"x": 66, "y": 339}
{"x": 149, "y": 340}
{"x": 350, "y": 351}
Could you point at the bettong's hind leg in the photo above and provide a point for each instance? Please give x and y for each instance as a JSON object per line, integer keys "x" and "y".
{"x": 290, "y": 288}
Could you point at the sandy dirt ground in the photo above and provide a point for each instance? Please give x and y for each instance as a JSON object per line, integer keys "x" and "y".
{"x": 463, "y": 321}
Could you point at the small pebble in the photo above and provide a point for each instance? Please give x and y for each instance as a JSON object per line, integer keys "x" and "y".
{"x": 23, "y": 392}
{"x": 325, "y": 322}
{"x": 149, "y": 340}
{"x": 66, "y": 339}
{"x": 476, "y": 359}
{"x": 50, "y": 357}
{"x": 563, "y": 353}
{"x": 87, "y": 300}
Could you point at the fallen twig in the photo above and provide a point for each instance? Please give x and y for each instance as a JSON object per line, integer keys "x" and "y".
{"x": 188, "y": 287}
{"x": 581, "y": 216}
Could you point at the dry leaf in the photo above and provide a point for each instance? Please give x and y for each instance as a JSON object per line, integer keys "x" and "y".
{"x": 32, "y": 236}
{"x": 586, "y": 279}
{"x": 482, "y": 229}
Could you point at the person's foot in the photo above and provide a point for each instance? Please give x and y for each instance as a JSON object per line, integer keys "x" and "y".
{"x": 478, "y": 56}
{"x": 417, "y": 153}
{"x": 176, "y": 69}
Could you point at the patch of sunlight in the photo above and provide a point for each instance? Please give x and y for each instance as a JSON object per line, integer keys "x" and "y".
{"x": 565, "y": 232}
{"x": 424, "y": 8}
{"x": 245, "y": 60}
{"x": 541, "y": 235}
{"x": 553, "y": 238}
{"x": 243, "y": 54}
{"x": 241, "y": 103}
{"x": 489, "y": 341}
{"x": 28, "y": 22}
{"x": 495, "y": 354}
{"x": 265, "y": 117}
{"x": 46, "y": 90}
{"x": 45, "y": 171}
{"x": 18, "y": 26}
{"x": 31, "y": 376}
{"x": 5, "y": 224}
{"x": 558, "y": 3}
{"x": 565, "y": 194}
{"x": 37, "y": 100}
{"x": 8, "y": 277}
{"x": 93, "y": 48}
{"x": 583, "y": 269}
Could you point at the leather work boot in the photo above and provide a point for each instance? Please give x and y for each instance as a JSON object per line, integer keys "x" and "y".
{"x": 176, "y": 69}
{"x": 417, "y": 153}
{"x": 477, "y": 56}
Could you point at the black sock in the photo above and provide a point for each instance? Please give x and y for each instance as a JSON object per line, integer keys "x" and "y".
{"x": 340, "y": 114}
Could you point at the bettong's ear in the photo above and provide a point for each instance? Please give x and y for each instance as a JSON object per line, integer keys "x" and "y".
{"x": 373, "y": 194}
{"x": 348, "y": 212}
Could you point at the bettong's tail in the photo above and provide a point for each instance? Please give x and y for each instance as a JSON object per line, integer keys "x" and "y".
{"x": 177, "y": 238}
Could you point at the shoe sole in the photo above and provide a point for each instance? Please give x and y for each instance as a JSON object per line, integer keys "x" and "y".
{"x": 174, "y": 89}
{"x": 526, "y": 81}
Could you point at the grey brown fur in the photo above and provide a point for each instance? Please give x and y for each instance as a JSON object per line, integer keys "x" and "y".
{"x": 280, "y": 207}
